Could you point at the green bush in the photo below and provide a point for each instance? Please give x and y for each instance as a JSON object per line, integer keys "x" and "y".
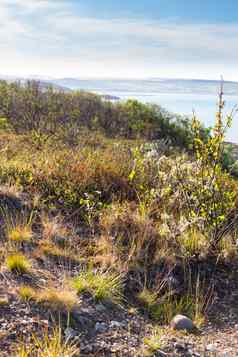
{"x": 46, "y": 113}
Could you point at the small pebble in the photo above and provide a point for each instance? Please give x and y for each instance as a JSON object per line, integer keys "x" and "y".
{"x": 101, "y": 327}
{"x": 211, "y": 348}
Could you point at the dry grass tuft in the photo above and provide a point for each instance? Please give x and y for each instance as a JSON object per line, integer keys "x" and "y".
{"x": 59, "y": 299}
{"x": 48, "y": 346}
{"x": 59, "y": 254}
{"x": 192, "y": 242}
{"x": 52, "y": 228}
{"x": 18, "y": 263}
{"x": 152, "y": 344}
{"x": 20, "y": 233}
{"x": 130, "y": 235}
{"x": 27, "y": 293}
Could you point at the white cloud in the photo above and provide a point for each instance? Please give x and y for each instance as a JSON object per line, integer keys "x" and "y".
{"x": 31, "y": 5}
{"x": 10, "y": 26}
{"x": 48, "y": 36}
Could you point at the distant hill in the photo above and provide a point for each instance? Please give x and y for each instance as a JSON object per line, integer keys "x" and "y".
{"x": 150, "y": 85}
{"x": 110, "y": 87}
{"x": 55, "y": 86}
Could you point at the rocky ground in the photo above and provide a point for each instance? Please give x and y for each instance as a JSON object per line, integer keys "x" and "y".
{"x": 108, "y": 330}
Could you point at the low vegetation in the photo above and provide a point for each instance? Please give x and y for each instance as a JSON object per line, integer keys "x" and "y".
{"x": 152, "y": 344}
{"x": 18, "y": 263}
{"x": 102, "y": 285}
{"x": 58, "y": 299}
{"x": 48, "y": 346}
{"x": 123, "y": 202}
{"x": 47, "y": 114}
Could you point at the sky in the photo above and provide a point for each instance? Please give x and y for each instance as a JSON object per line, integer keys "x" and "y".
{"x": 119, "y": 39}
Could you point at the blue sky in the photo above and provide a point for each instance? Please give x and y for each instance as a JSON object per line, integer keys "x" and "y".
{"x": 184, "y": 10}
{"x": 129, "y": 39}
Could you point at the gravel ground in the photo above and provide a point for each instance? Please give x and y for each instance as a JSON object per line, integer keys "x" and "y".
{"x": 107, "y": 330}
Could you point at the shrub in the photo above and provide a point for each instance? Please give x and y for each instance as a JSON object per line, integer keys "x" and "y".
{"x": 213, "y": 192}
{"x": 47, "y": 113}
{"x": 132, "y": 234}
{"x": 64, "y": 179}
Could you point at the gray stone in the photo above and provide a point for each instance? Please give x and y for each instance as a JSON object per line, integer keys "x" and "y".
{"x": 100, "y": 308}
{"x": 84, "y": 321}
{"x": 181, "y": 322}
{"x": 87, "y": 349}
{"x": 116, "y": 324}
{"x": 180, "y": 347}
{"x": 101, "y": 327}
{"x": 172, "y": 282}
{"x": 87, "y": 311}
{"x": 70, "y": 333}
{"x": 161, "y": 353}
{"x": 60, "y": 240}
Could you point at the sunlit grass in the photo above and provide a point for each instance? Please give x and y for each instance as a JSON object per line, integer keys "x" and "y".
{"x": 102, "y": 285}
{"x": 48, "y": 346}
{"x": 152, "y": 343}
{"x": 20, "y": 233}
{"x": 18, "y": 263}
{"x": 59, "y": 299}
{"x": 27, "y": 293}
{"x": 162, "y": 305}
{"x": 193, "y": 242}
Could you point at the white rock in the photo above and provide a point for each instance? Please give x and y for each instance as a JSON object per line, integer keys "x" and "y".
{"x": 211, "y": 348}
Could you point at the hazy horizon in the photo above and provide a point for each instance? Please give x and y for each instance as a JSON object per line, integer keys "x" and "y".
{"x": 88, "y": 77}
